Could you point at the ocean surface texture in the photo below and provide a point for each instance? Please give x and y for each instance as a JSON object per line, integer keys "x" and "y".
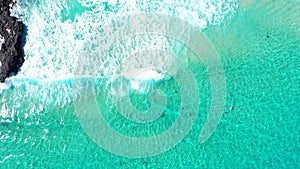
{"x": 257, "y": 41}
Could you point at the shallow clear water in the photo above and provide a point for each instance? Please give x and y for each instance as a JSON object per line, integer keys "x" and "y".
{"x": 259, "y": 46}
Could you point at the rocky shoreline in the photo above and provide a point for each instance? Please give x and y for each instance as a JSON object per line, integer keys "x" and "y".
{"x": 12, "y": 34}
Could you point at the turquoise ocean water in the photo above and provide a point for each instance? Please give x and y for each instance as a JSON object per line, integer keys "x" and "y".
{"x": 259, "y": 46}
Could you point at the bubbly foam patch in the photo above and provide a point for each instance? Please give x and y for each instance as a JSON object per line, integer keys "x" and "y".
{"x": 58, "y": 32}
{"x": 54, "y": 41}
{"x": 31, "y": 99}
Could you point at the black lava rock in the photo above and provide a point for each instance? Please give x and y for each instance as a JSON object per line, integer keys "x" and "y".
{"x": 13, "y": 32}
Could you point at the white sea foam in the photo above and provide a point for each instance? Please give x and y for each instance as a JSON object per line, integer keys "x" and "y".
{"x": 4, "y": 86}
{"x": 54, "y": 42}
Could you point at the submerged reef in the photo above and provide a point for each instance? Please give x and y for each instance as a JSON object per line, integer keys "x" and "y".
{"x": 12, "y": 33}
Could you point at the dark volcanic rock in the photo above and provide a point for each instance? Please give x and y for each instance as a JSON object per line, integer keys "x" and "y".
{"x": 11, "y": 53}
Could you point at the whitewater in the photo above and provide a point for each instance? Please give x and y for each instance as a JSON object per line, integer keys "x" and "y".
{"x": 58, "y": 31}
